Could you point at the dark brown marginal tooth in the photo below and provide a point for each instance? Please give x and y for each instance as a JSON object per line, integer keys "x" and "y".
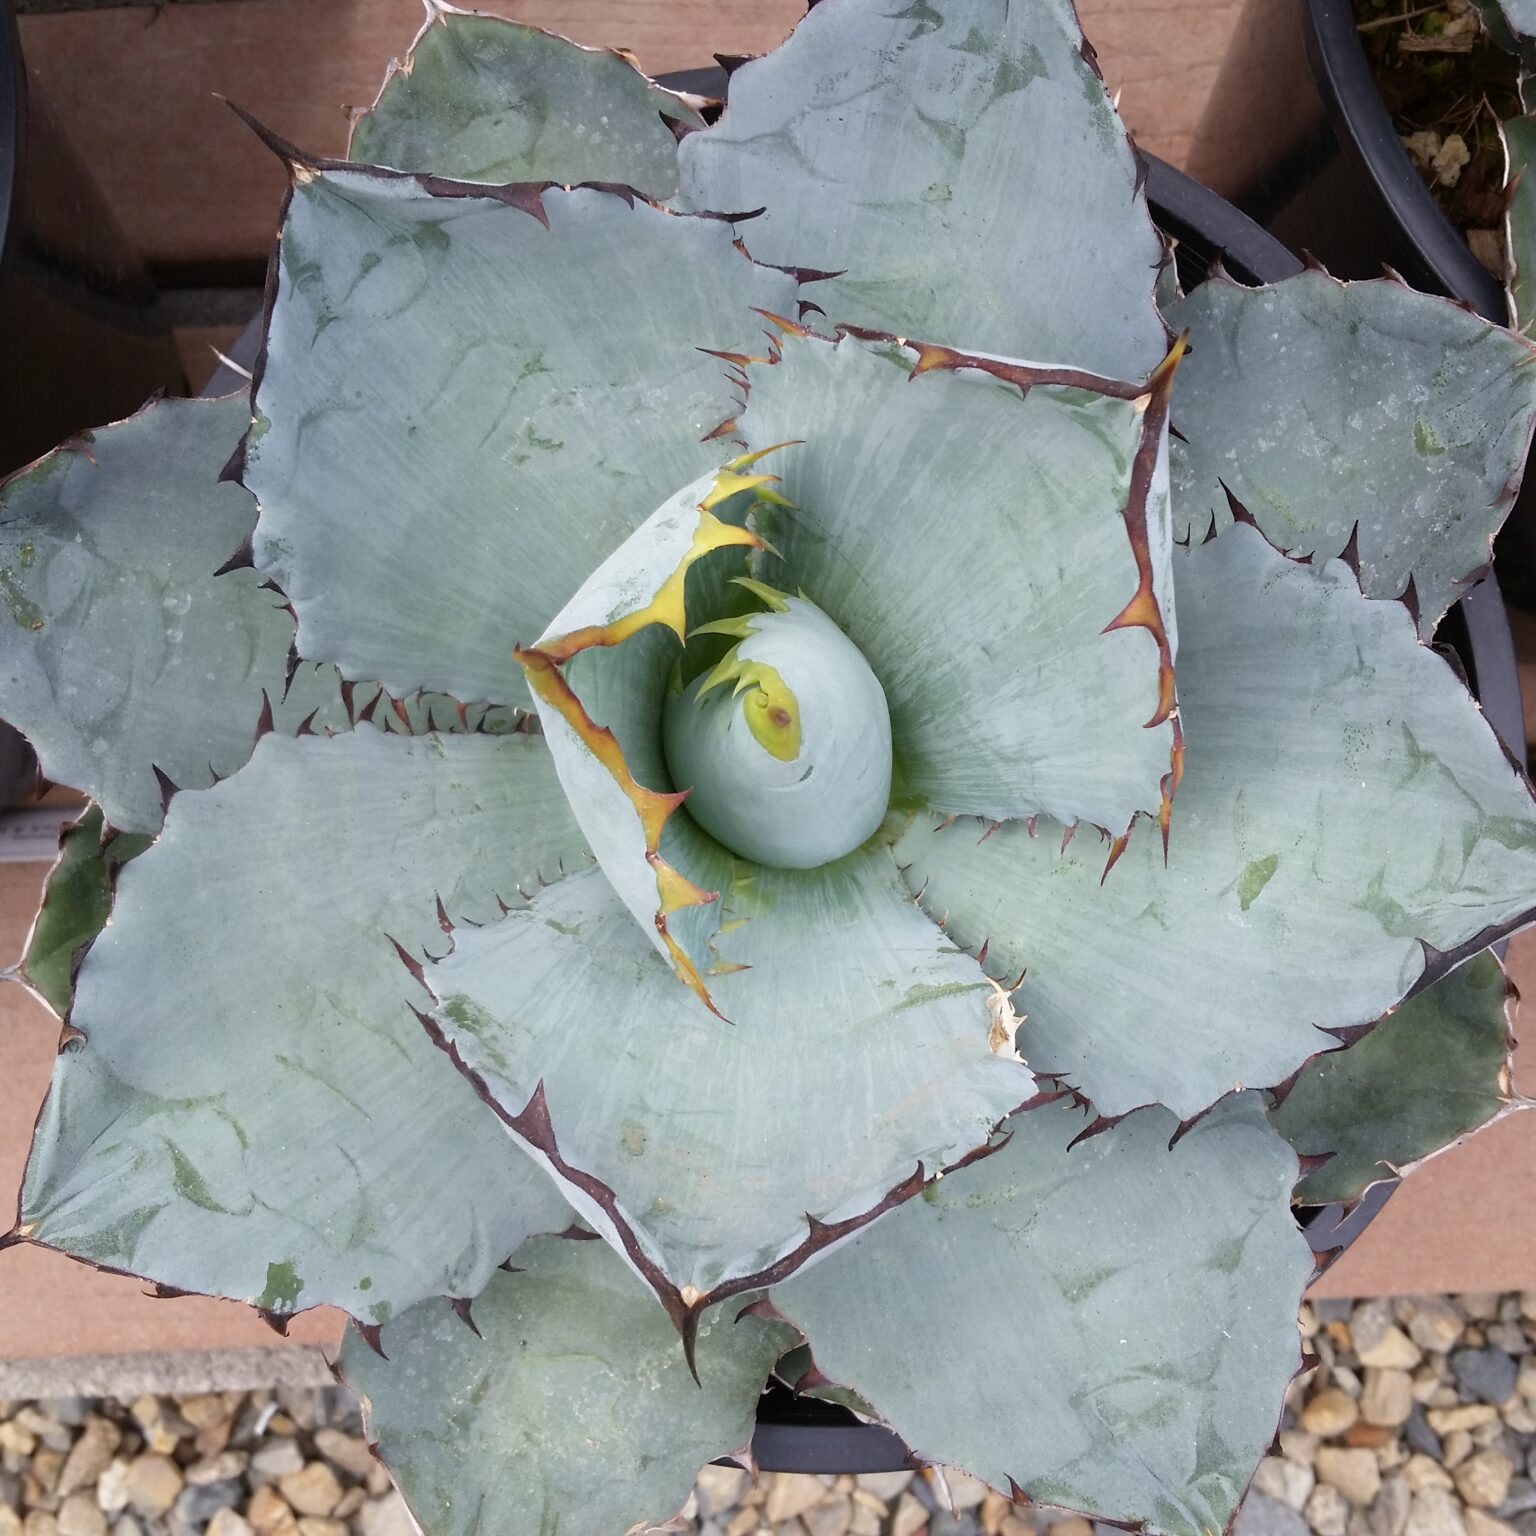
{"x": 277, "y": 1321}
{"x": 619, "y": 189}
{"x": 764, "y": 1309}
{"x": 1348, "y": 1034}
{"x": 1311, "y": 263}
{"x": 1184, "y": 1127}
{"x": 372, "y": 1334}
{"x": 1350, "y": 554}
{"x": 526, "y": 197}
{"x": 1116, "y": 848}
{"x": 264, "y": 724}
{"x": 443, "y": 920}
{"x": 461, "y": 1310}
{"x": 1095, "y": 1127}
{"x": 578, "y": 1234}
{"x": 1410, "y": 600}
{"x": 167, "y": 787}
{"x": 411, "y": 963}
{"x": 244, "y": 558}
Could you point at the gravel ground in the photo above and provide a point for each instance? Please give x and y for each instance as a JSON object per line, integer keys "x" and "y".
{"x": 1419, "y": 1420}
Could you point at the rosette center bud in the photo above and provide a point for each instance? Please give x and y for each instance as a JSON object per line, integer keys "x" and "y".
{"x": 785, "y": 744}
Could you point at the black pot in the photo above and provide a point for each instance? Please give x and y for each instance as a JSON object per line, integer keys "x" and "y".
{"x": 81, "y": 337}
{"x": 796, "y": 1434}
{"x": 1297, "y": 135}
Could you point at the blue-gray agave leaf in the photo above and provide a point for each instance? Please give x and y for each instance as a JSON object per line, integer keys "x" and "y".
{"x": 1356, "y": 419}
{"x": 481, "y": 98}
{"x": 1433, "y": 1070}
{"x": 959, "y": 167}
{"x": 1125, "y": 1308}
{"x": 178, "y": 1138}
{"x": 570, "y": 1400}
{"x": 1346, "y": 802}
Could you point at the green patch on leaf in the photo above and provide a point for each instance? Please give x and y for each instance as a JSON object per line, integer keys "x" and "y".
{"x": 283, "y": 1287}
{"x": 1254, "y": 878}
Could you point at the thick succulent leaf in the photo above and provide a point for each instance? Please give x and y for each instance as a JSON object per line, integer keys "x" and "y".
{"x": 125, "y": 652}
{"x": 941, "y": 155}
{"x": 858, "y": 1048}
{"x": 1520, "y": 227}
{"x": 249, "y": 990}
{"x": 600, "y": 674}
{"x": 485, "y": 99}
{"x": 570, "y": 1407}
{"x": 1435, "y": 1069}
{"x": 1344, "y": 806}
{"x": 1117, "y": 1319}
{"x": 1365, "y": 412}
{"x": 77, "y": 899}
{"x": 1052, "y": 692}
{"x": 530, "y": 443}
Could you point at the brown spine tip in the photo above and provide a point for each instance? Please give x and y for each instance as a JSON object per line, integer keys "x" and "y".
{"x": 372, "y": 1334}
{"x": 1116, "y": 848}
{"x": 461, "y": 1310}
{"x": 167, "y": 788}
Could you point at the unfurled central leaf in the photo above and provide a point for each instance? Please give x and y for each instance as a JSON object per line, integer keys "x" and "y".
{"x": 601, "y": 673}
{"x": 786, "y": 743}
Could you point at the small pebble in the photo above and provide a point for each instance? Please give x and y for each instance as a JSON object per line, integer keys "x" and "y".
{"x": 1434, "y": 1512}
{"x": 1387, "y": 1397}
{"x": 1354, "y": 1473}
{"x": 1483, "y": 1480}
{"x": 154, "y": 1482}
{"x": 1420, "y": 1436}
{"x": 1435, "y": 1325}
{"x": 1285, "y": 1481}
{"x": 1389, "y": 1513}
{"x": 1261, "y": 1516}
{"x": 1331, "y": 1412}
{"x": 1327, "y": 1511}
{"x": 1485, "y": 1375}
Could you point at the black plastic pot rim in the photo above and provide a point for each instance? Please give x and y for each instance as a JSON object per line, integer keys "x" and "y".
{"x": 1362, "y": 123}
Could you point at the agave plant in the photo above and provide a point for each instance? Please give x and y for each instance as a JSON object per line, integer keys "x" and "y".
{"x": 666, "y": 790}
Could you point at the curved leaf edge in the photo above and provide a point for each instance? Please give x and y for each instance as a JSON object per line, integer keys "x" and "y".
{"x": 1152, "y": 397}
{"x": 533, "y": 1126}
{"x": 740, "y": 1456}
{"x": 1503, "y": 503}
{"x": 526, "y": 197}
{"x": 814, "y": 1382}
{"x": 1437, "y": 963}
{"x": 1090, "y": 57}
{"x": 363, "y": 702}
{"x": 440, "y": 13}
{"x": 1512, "y": 1103}
{"x": 73, "y": 1038}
